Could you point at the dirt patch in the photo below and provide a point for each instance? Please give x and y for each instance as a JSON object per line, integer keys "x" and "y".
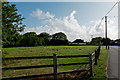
{"x": 68, "y": 76}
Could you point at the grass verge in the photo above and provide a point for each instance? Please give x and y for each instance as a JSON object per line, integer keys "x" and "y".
{"x": 100, "y": 70}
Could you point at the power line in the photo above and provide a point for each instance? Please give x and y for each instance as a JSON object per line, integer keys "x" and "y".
{"x": 112, "y": 8}
{"x": 98, "y": 25}
{"x": 108, "y": 13}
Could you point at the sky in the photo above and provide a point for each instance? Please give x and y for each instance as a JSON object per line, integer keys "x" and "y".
{"x": 62, "y": 0}
{"x": 78, "y": 20}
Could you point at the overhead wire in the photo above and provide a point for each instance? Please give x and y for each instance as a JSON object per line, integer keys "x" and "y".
{"x": 112, "y": 8}
{"x": 108, "y": 13}
{"x": 99, "y": 24}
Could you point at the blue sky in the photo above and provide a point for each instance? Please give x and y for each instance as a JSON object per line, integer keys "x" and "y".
{"x": 63, "y": 0}
{"x": 85, "y": 11}
{"x": 84, "y": 14}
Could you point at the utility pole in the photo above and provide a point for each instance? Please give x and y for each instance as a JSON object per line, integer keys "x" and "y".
{"x": 106, "y": 30}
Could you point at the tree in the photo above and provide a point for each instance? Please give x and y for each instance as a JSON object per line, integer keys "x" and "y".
{"x": 101, "y": 41}
{"x": 118, "y": 42}
{"x": 96, "y": 41}
{"x": 59, "y": 36}
{"x": 11, "y": 24}
{"x": 104, "y": 41}
{"x": 59, "y": 39}
{"x": 30, "y": 39}
{"x": 78, "y": 41}
{"x": 0, "y": 24}
{"x": 44, "y": 38}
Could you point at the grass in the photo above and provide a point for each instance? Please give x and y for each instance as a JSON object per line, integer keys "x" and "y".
{"x": 99, "y": 70}
{"x": 49, "y": 51}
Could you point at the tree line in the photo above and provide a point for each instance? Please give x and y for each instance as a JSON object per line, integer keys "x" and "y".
{"x": 42, "y": 39}
{"x": 104, "y": 41}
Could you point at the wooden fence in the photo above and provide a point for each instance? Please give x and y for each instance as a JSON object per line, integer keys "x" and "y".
{"x": 93, "y": 57}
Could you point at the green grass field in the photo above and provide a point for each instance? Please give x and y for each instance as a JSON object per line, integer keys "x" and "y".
{"x": 44, "y": 51}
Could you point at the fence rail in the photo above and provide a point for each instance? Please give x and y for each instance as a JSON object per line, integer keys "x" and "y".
{"x": 41, "y": 75}
{"x": 43, "y": 57}
{"x": 92, "y": 60}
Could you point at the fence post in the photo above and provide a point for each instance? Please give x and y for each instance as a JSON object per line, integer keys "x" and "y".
{"x": 95, "y": 57}
{"x": 97, "y": 53}
{"x": 90, "y": 63}
{"x": 55, "y": 66}
{"x": 99, "y": 50}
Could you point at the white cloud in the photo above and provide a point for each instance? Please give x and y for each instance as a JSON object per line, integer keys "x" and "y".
{"x": 91, "y": 21}
{"x": 41, "y": 15}
{"x": 70, "y": 26}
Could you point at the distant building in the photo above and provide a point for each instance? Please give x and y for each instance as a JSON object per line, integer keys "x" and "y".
{"x": 78, "y": 42}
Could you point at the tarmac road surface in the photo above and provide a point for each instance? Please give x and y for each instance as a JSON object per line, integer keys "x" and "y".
{"x": 112, "y": 70}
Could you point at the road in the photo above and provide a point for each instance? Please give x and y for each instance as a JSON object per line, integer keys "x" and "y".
{"x": 112, "y": 69}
